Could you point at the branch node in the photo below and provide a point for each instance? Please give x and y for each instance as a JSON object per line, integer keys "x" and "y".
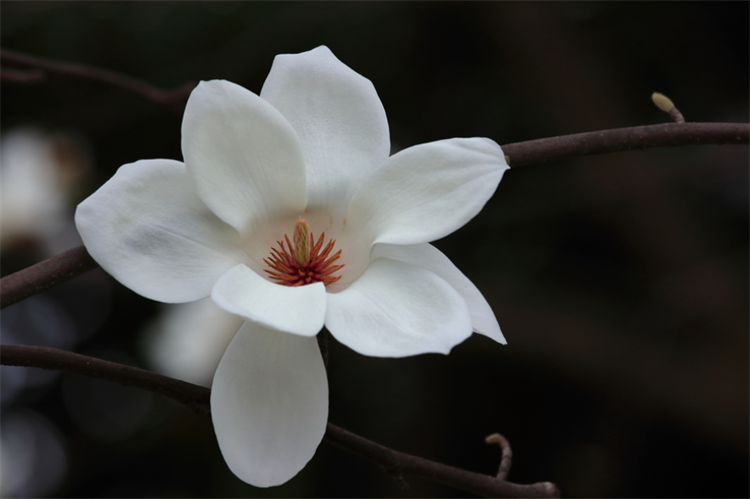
{"x": 507, "y": 454}
{"x": 665, "y": 104}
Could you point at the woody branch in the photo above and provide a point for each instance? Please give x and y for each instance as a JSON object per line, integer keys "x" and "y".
{"x": 77, "y": 261}
{"x": 196, "y": 398}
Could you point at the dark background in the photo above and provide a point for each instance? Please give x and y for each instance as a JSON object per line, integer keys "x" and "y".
{"x": 620, "y": 281}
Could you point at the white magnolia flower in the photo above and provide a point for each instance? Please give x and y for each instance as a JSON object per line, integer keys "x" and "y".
{"x": 289, "y": 212}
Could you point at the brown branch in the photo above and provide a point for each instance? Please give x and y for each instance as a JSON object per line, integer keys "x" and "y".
{"x": 44, "y": 275}
{"x": 77, "y": 261}
{"x": 625, "y": 139}
{"x": 197, "y": 399}
{"x": 507, "y": 454}
{"x": 22, "y": 76}
{"x": 399, "y": 464}
{"x": 72, "y": 263}
{"x": 194, "y": 396}
{"x": 149, "y": 92}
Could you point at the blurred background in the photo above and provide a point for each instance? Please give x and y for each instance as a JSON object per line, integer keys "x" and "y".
{"x": 620, "y": 281}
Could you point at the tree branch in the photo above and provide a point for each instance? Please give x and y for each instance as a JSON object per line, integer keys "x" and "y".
{"x": 72, "y": 263}
{"x": 22, "y": 76}
{"x": 496, "y": 438}
{"x": 77, "y": 261}
{"x": 44, "y": 275}
{"x": 538, "y": 151}
{"x": 149, "y": 92}
{"x": 197, "y": 398}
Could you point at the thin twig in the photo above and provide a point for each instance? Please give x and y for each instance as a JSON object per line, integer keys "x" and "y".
{"x": 22, "y": 76}
{"x": 72, "y": 263}
{"x": 67, "y": 265}
{"x": 197, "y": 399}
{"x": 149, "y": 92}
{"x": 44, "y": 275}
{"x": 507, "y": 454}
{"x": 538, "y": 151}
{"x": 398, "y": 463}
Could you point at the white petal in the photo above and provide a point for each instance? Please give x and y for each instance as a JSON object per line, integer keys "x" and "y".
{"x": 147, "y": 227}
{"x": 339, "y": 118}
{"x": 298, "y": 310}
{"x": 187, "y": 340}
{"x": 244, "y": 156}
{"x": 429, "y": 257}
{"x": 395, "y": 309}
{"x": 269, "y": 404}
{"x": 427, "y": 191}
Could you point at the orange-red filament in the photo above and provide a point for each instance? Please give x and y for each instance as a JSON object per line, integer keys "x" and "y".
{"x": 299, "y": 263}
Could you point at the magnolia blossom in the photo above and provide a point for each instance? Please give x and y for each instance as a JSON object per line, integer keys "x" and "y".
{"x": 289, "y": 212}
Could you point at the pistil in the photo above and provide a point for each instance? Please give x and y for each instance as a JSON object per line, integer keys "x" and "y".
{"x": 301, "y": 248}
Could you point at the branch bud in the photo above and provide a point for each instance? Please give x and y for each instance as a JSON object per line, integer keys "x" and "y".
{"x": 495, "y": 438}
{"x": 662, "y": 102}
{"x": 665, "y": 104}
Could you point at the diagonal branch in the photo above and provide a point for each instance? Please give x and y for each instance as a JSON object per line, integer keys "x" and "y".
{"x": 197, "y": 399}
{"x": 22, "y": 76}
{"x": 53, "y": 359}
{"x": 77, "y": 261}
{"x": 44, "y": 275}
{"x": 41, "y": 66}
{"x": 72, "y": 263}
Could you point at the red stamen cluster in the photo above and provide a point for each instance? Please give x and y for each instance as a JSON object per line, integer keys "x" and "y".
{"x": 317, "y": 267}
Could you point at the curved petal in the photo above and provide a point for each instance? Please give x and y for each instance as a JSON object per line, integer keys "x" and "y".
{"x": 395, "y": 310}
{"x": 297, "y": 310}
{"x": 269, "y": 404}
{"x": 244, "y": 157}
{"x": 427, "y": 191}
{"x": 339, "y": 118}
{"x": 187, "y": 340}
{"x": 147, "y": 227}
{"x": 429, "y": 257}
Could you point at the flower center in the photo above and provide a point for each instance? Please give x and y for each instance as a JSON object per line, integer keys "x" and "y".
{"x": 304, "y": 261}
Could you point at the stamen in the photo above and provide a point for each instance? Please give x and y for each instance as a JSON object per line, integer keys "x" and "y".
{"x": 303, "y": 262}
